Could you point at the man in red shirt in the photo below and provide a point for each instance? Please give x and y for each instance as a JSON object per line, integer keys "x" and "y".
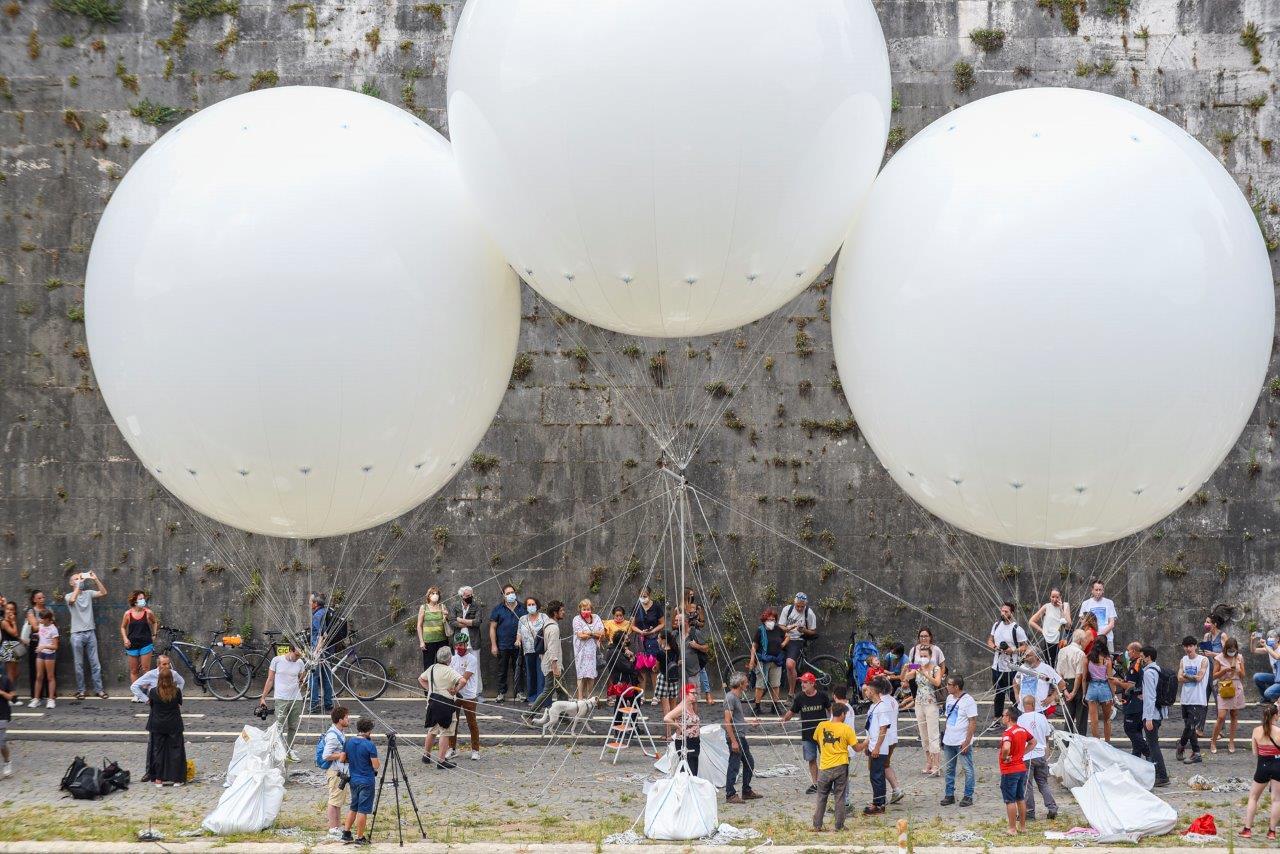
{"x": 1013, "y": 771}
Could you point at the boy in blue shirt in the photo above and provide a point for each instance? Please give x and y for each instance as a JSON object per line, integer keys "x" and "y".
{"x": 361, "y": 756}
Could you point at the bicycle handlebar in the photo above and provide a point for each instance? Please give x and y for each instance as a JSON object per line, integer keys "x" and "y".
{"x": 174, "y": 629}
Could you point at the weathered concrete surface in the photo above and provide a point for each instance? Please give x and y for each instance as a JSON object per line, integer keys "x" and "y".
{"x": 70, "y": 491}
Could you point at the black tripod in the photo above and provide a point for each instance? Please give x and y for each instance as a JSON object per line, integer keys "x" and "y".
{"x": 394, "y": 769}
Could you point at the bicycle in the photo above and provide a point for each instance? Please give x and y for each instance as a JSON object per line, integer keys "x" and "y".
{"x": 553, "y": 691}
{"x": 259, "y": 660}
{"x": 827, "y": 669}
{"x": 363, "y": 676}
{"x": 222, "y": 674}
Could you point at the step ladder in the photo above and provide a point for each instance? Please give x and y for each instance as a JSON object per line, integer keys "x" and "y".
{"x": 629, "y": 724}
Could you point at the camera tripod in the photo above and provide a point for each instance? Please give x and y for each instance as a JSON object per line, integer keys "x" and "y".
{"x": 394, "y": 768}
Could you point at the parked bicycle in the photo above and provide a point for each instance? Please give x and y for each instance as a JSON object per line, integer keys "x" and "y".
{"x": 827, "y": 669}
{"x": 359, "y": 676}
{"x": 220, "y": 673}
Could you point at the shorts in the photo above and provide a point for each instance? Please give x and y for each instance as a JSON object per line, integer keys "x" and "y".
{"x": 439, "y": 730}
{"x": 136, "y": 653}
{"x": 666, "y": 689}
{"x": 768, "y": 673}
{"x": 4, "y": 733}
{"x": 1268, "y": 770}
{"x": 361, "y": 796}
{"x": 1098, "y": 692}
{"x": 793, "y": 649}
{"x": 1013, "y": 787}
{"x": 46, "y": 656}
{"x": 332, "y": 786}
{"x": 810, "y": 749}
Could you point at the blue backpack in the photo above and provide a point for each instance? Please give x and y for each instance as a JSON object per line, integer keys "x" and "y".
{"x": 321, "y": 762}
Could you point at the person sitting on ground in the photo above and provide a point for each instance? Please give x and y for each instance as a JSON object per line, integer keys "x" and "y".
{"x": 144, "y": 683}
{"x": 813, "y": 707}
{"x": 335, "y": 740}
{"x": 1014, "y": 742}
{"x": 285, "y": 675}
{"x": 361, "y": 756}
{"x": 1037, "y": 679}
{"x": 1267, "y": 682}
{"x": 166, "y": 747}
{"x": 620, "y": 659}
{"x": 835, "y": 740}
{"x": 440, "y": 681}
{"x": 1266, "y": 746}
{"x": 688, "y": 726}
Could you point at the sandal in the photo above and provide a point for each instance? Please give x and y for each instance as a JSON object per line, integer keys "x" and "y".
{"x": 1271, "y": 834}
{"x": 1246, "y": 833}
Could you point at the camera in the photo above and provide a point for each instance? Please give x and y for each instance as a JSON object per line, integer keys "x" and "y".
{"x": 261, "y": 711}
{"x": 343, "y": 780}
{"x": 1004, "y": 646}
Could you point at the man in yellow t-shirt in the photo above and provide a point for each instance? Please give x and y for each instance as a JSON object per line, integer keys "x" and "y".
{"x": 835, "y": 739}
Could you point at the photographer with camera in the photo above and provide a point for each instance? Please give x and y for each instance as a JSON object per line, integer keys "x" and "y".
{"x": 85, "y": 587}
{"x": 285, "y": 675}
{"x": 1008, "y": 640}
{"x": 333, "y": 751}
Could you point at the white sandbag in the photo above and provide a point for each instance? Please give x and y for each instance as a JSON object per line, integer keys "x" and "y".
{"x": 1115, "y": 804}
{"x": 249, "y": 736}
{"x": 713, "y": 758}
{"x": 252, "y": 803}
{"x": 1080, "y": 755}
{"x": 265, "y": 744}
{"x": 680, "y": 807}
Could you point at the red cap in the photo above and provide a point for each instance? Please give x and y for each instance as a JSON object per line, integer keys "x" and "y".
{"x": 808, "y": 677}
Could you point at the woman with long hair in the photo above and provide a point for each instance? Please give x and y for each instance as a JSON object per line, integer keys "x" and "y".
{"x": 1266, "y": 746}
{"x": 10, "y": 641}
{"x": 1101, "y": 691}
{"x": 925, "y": 668}
{"x": 648, "y": 620}
{"x": 688, "y": 726}
{"x": 166, "y": 750}
{"x": 138, "y": 629}
{"x": 36, "y": 600}
{"x": 1228, "y": 673}
{"x": 1089, "y": 623}
{"x": 433, "y": 626}
{"x": 47, "y": 643}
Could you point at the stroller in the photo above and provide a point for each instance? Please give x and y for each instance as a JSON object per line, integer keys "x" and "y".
{"x": 860, "y": 652}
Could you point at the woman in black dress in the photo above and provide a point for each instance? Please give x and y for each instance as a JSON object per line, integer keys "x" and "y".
{"x": 166, "y": 752}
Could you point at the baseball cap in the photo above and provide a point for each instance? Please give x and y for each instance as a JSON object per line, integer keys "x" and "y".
{"x": 464, "y": 639}
{"x": 802, "y": 597}
{"x": 808, "y": 677}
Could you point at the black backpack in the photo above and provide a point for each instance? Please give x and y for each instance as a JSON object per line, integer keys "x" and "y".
{"x": 540, "y": 643}
{"x": 114, "y": 777}
{"x": 335, "y": 628}
{"x": 1166, "y": 687}
{"x": 83, "y": 781}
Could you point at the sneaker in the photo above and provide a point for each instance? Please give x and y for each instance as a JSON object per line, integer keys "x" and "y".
{"x": 79, "y": 695}
{"x": 1194, "y": 758}
{"x": 136, "y": 700}
{"x": 361, "y": 841}
{"x": 335, "y": 833}
{"x": 427, "y": 760}
{"x": 812, "y": 790}
{"x": 1180, "y": 753}
{"x": 8, "y": 770}
{"x": 1053, "y": 814}
{"x": 1271, "y": 834}
{"x": 446, "y": 765}
{"x": 35, "y": 701}
{"x": 475, "y": 756}
{"x": 1246, "y": 833}
{"x": 873, "y": 810}
{"x": 501, "y": 698}
{"x": 734, "y": 799}
{"x": 751, "y": 795}
{"x": 947, "y": 801}
{"x": 103, "y": 695}
{"x": 897, "y": 796}
{"x": 292, "y": 757}
{"x": 51, "y": 703}
{"x": 347, "y": 837}
{"x": 966, "y": 802}
{"x": 521, "y": 698}
{"x": 1160, "y": 784}
{"x": 452, "y": 753}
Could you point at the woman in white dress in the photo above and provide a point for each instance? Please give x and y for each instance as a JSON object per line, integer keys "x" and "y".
{"x": 588, "y": 631}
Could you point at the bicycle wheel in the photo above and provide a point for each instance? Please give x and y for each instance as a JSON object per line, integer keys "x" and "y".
{"x": 739, "y": 665}
{"x": 226, "y": 677}
{"x": 829, "y": 670}
{"x": 365, "y": 678}
{"x": 258, "y": 665}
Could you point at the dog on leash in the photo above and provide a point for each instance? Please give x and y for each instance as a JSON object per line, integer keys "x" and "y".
{"x": 578, "y": 712}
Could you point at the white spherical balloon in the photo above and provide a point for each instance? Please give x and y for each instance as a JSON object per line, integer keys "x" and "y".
{"x": 294, "y": 314}
{"x": 666, "y": 167}
{"x": 1053, "y": 317}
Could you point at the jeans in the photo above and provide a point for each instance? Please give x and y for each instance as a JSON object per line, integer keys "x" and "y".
{"x": 704, "y": 682}
{"x": 289, "y": 715}
{"x": 321, "y": 676}
{"x": 1038, "y": 778}
{"x": 877, "y": 766}
{"x": 534, "y": 679}
{"x": 1002, "y": 683}
{"x": 740, "y": 758}
{"x": 1268, "y": 687}
{"x": 951, "y": 755}
{"x": 506, "y": 661}
{"x": 1137, "y": 738}
{"x": 1152, "y": 740}
{"x": 86, "y": 644}
{"x": 1192, "y": 720}
{"x": 832, "y": 782}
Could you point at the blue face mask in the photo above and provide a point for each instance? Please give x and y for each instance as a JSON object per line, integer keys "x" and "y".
{"x": 533, "y": 609}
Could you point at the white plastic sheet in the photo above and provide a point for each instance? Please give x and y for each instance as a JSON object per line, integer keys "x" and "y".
{"x": 713, "y": 758}
{"x": 680, "y": 807}
{"x": 1116, "y": 805}
{"x": 251, "y": 803}
{"x": 1079, "y": 756}
{"x": 266, "y": 745}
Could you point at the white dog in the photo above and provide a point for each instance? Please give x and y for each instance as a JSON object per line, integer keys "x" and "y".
{"x": 578, "y": 711}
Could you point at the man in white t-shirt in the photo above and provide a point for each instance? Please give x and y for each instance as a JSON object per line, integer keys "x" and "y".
{"x": 1037, "y": 758}
{"x": 466, "y": 663}
{"x": 1193, "y": 677}
{"x": 1105, "y": 611}
{"x": 1037, "y": 679}
{"x": 882, "y": 734}
{"x": 285, "y": 675}
{"x": 1008, "y": 643}
{"x": 960, "y": 717}
{"x": 800, "y": 622}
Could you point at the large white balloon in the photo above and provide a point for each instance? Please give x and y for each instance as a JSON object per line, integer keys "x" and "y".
{"x": 1053, "y": 317}
{"x": 667, "y": 167}
{"x": 294, "y": 315}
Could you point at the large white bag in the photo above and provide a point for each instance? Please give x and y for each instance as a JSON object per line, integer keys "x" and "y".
{"x": 1116, "y": 805}
{"x": 680, "y": 807}
{"x": 252, "y": 803}
{"x": 713, "y": 758}
{"x": 1080, "y": 756}
{"x": 265, "y": 744}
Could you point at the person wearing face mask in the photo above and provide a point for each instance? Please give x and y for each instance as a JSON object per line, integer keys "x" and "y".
{"x": 588, "y": 631}
{"x": 647, "y": 623}
{"x": 528, "y": 630}
{"x": 768, "y": 659}
{"x": 1228, "y": 672}
{"x": 138, "y": 629}
{"x": 1268, "y": 683}
{"x": 434, "y": 629}
{"x": 466, "y": 663}
{"x": 504, "y": 621}
{"x": 468, "y": 615}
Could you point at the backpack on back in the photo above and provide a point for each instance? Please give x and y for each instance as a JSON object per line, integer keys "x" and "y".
{"x": 321, "y": 762}
{"x": 540, "y": 643}
{"x": 336, "y": 628}
{"x": 1166, "y": 687}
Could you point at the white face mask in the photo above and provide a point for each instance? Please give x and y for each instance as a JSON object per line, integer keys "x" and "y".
{"x": 511, "y": 597}
{"x": 533, "y": 609}
{"x": 433, "y": 598}
{"x": 770, "y": 624}
{"x": 142, "y": 603}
